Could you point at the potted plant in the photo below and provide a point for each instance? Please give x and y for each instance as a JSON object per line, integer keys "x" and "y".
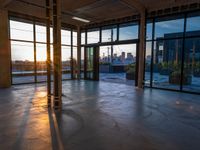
{"x": 130, "y": 72}
{"x": 165, "y": 68}
{"x": 175, "y": 77}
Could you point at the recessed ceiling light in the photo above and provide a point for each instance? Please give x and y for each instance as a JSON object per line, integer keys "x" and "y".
{"x": 81, "y": 19}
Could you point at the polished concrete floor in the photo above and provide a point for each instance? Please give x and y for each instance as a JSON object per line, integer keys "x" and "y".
{"x": 99, "y": 116}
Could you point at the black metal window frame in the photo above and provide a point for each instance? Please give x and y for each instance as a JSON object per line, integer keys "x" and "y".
{"x": 184, "y": 37}
{"x": 116, "y": 26}
{"x": 34, "y": 42}
{"x": 112, "y": 43}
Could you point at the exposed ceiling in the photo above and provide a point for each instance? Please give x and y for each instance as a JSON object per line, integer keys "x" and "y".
{"x": 93, "y": 10}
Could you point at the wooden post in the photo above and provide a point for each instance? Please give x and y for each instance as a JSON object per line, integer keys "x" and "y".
{"x": 57, "y": 54}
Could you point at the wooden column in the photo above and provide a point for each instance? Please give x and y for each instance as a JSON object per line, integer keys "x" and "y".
{"x": 141, "y": 49}
{"x": 57, "y": 54}
{"x": 5, "y": 54}
{"x": 48, "y": 62}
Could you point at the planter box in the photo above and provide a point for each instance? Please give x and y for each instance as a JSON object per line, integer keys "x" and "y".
{"x": 130, "y": 76}
{"x": 187, "y": 79}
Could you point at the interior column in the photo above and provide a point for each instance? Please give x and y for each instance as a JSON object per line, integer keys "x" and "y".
{"x": 57, "y": 54}
{"x": 141, "y": 49}
{"x": 48, "y": 63}
{"x": 5, "y": 54}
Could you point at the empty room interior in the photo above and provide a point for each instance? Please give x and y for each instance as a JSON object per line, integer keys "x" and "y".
{"x": 99, "y": 75}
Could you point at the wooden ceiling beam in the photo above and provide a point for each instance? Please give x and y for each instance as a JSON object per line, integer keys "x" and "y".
{"x": 134, "y": 4}
{"x": 5, "y": 3}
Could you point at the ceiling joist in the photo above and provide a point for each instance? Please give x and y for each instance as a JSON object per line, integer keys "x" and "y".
{"x": 134, "y": 4}
{"x": 5, "y": 3}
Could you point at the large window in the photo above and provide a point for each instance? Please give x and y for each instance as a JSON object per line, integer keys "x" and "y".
{"x": 22, "y": 62}
{"x": 29, "y": 51}
{"x": 117, "y": 60}
{"x": 176, "y": 53}
{"x": 22, "y": 52}
{"x": 167, "y": 64}
{"x": 118, "y": 63}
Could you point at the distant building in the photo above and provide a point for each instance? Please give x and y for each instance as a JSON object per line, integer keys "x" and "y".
{"x": 123, "y": 55}
{"x": 171, "y": 50}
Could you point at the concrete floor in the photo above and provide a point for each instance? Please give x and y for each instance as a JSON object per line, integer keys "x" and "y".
{"x": 99, "y": 116}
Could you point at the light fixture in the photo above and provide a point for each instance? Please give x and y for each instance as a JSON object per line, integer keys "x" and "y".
{"x": 81, "y": 19}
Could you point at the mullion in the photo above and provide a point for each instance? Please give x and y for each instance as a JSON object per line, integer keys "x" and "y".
{"x": 35, "y": 59}
{"x": 183, "y": 53}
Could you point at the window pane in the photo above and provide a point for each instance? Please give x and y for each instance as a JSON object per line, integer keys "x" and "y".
{"x": 148, "y": 63}
{"x": 167, "y": 64}
{"x": 41, "y": 57}
{"x": 66, "y": 62}
{"x": 82, "y": 62}
{"x": 22, "y": 54}
{"x": 118, "y": 63}
{"x": 21, "y": 30}
{"x": 109, "y": 34}
{"x": 193, "y": 26}
{"x": 75, "y": 64}
{"x": 83, "y": 38}
{"x": 169, "y": 28}
{"x": 51, "y": 35}
{"x": 40, "y": 33}
{"x": 74, "y": 38}
{"x": 191, "y": 73}
{"x": 66, "y": 37}
{"x": 128, "y": 31}
{"x": 149, "y": 31}
{"x": 105, "y": 55}
{"x": 93, "y": 36}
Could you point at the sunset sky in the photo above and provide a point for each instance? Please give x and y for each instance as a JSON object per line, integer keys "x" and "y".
{"x": 25, "y": 50}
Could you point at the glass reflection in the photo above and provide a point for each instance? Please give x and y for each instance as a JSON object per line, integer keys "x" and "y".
{"x": 167, "y": 64}
{"x": 22, "y": 55}
{"x": 128, "y": 31}
{"x": 191, "y": 73}
{"x": 118, "y": 63}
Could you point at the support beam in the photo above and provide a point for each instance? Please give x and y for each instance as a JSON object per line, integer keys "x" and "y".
{"x": 57, "y": 54}
{"x": 79, "y": 52}
{"x": 141, "y": 49}
{"x": 134, "y": 4}
{"x": 5, "y": 3}
{"x": 48, "y": 62}
{"x": 5, "y": 54}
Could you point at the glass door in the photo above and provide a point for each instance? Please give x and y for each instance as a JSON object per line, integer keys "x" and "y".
{"x": 91, "y": 63}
